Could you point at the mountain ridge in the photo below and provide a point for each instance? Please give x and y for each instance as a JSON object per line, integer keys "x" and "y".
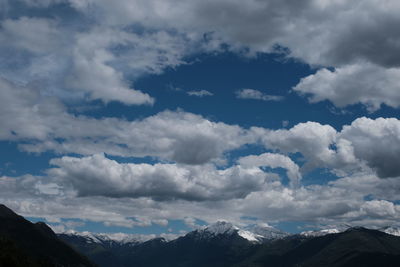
{"x": 35, "y": 243}
{"x": 222, "y": 244}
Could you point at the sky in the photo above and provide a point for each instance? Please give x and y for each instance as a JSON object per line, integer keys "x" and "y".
{"x": 158, "y": 116}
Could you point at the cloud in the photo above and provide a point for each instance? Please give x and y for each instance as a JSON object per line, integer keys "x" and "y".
{"x": 200, "y": 93}
{"x": 377, "y": 143}
{"x": 365, "y": 143}
{"x": 317, "y": 31}
{"x": 258, "y": 95}
{"x": 341, "y": 34}
{"x": 273, "y": 161}
{"x": 133, "y": 38}
{"x": 370, "y": 85}
{"x": 98, "y": 176}
{"x": 311, "y": 139}
{"x": 36, "y": 35}
{"x": 91, "y": 72}
{"x": 96, "y": 62}
{"x": 44, "y": 124}
{"x": 99, "y": 51}
{"x": 339, "y": 201}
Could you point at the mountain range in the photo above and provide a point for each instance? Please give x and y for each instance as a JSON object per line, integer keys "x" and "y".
{"x": 23, "y": 243}
{"x": 224, "y": 244}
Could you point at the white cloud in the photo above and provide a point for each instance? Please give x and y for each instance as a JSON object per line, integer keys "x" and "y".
{"x": 191, "y": 139}
{"x": 36, "y": 35}
{"x": 200, "y": 93}
{"x": 257, "y": 95}
{"x": 311, "y": 139}
{"x": 99, "y": 62}
{"x": 97, "y": 175}
{"x": 377, "y": 142}
{"x": 365, "y": 143}
{"x": 92, "y": 74}
{"x": 357, "y": 37}
{"x": 318, "y": 31}
{"x": 177, "y": 136}
{"x": 337, "y": 202}
{"x": 367, "y": 84}
{"x": 273, "y": 161}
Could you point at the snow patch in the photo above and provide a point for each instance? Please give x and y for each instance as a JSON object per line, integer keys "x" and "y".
{"x": 320, "y": 232}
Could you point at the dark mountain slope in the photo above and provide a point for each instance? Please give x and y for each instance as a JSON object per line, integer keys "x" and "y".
{"x": 194, "y": 250}
{"x": 221, "y": 245}
{"x": 198, "y": 248}
{"x": 36, "y": 243}
{"x": 103, "y": 254}
{"x": 355, "y": 247}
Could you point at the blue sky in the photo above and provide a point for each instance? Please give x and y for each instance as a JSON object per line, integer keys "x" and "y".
{"x": 154, "y": 117}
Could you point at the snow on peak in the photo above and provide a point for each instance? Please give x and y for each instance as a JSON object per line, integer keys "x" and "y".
{"x": 391, "y": 230}
{"x": 121, "y": 238}
{"x": 320, "y": 232}
{"x": 257, "y": 233}
{"x": 266, "y": 231}
{"x": 221, "y": 227}
{"x": 250, "y": 236}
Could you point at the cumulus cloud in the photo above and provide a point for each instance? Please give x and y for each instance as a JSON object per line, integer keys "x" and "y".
{"x": 183, "y": 137}
{"x": 311, "y": 139}
{"x": 93, "y": 62}
{"x": 257, "y": 95}
{"x": 368, "y": 84}
{"x": 377, "y": 143}
{"x": 97, "y": 175}
{"x": 370, "y": 143}
{"x": 106, "y": 48}
{"x": 320, "y": 32}
{"x": 339, "y": 201}
{"x": 177, "y": 136}
{"x": 357, "y": 37}
{"x": 273, "y": 161}
{"x": 92, "y": 74}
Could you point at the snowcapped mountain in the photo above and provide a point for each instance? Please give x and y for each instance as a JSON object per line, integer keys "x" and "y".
{"x": 266, "y": 231}
{"x": 258, "y": 233}
{"x": 102, "y": 238}
{"x": 391, "y": 230}
{"x": 254, "y": 233}
{"x": 320, "y": 232}
{"x": 225, "y": 244}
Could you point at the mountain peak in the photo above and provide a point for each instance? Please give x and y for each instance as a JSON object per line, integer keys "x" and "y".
{"x": 267, "y": 231}
{"x": 391, "y": 230}
{"x": 322, "y": 232}
{"x": 221, "y": 227}
{"x": 6, "y": 212}
{"x": 257, "y": 233}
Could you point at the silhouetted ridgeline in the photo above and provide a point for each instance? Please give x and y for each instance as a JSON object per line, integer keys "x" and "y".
{"x": 25, "y": 244}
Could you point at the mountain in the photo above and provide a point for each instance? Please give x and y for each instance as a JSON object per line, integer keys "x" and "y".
{"x": 353, "y": 247}
{"x": 320, "y": 232}
{"x": 224, "y": 244}
{"x": 253, "y": 233}
{"x": 23, "y": 243}
{"x": 102, "y": 249}
{"x": 210, "y": 246}
{"x": 219, "y": 241}
{"x": 219, "y": 244}
{"x": 392, "y": 230}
